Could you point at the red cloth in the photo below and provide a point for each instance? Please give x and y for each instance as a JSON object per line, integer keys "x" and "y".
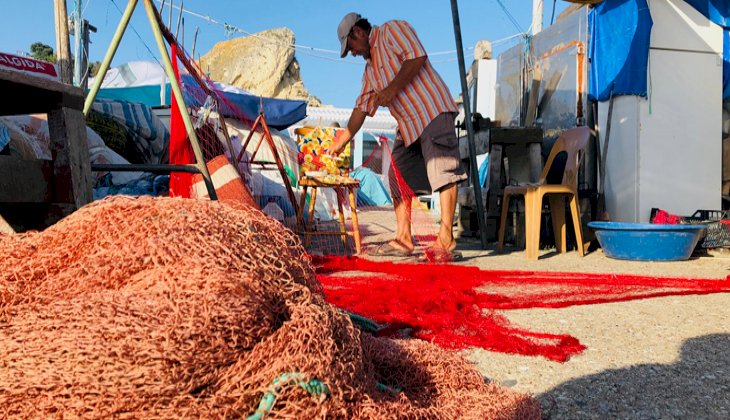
{"x": 181, "y": 152}
{"x": 664, "y": 218}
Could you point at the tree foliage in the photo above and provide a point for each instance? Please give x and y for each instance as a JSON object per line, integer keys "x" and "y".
{"x": 41, "y": 51}
{"x": 94, "y": 68}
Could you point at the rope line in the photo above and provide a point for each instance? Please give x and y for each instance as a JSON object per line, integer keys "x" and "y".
{"x": 230, "y": 29}
{"x": 313, "y": 386}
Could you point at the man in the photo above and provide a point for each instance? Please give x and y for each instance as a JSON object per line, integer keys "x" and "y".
{"x": 399, "y": 75}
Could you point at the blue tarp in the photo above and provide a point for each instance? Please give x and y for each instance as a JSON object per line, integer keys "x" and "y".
{"x": 280, "y": 113}
{"x": 372, "y": 191}
{"x": 718, "y": 11}
{"x": 619, "y": 48}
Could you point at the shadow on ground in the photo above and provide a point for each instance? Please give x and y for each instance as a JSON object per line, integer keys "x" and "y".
{"x": 697, "y": 387}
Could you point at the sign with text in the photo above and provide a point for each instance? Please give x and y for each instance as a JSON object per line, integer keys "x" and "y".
{"x": 29, "y": 66}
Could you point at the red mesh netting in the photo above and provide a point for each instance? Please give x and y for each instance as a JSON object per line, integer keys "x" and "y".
{"x": 454, "y": 306}
{"x": 167, "y": 307}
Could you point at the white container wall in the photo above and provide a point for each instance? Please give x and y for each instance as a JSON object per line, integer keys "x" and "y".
{"x": 666, "y": 151}
{"x": 484, "y": 93}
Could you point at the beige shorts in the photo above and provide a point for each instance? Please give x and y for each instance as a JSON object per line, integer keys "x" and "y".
{"x": 432, "y": 161}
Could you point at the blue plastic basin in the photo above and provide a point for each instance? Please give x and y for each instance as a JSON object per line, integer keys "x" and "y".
{"x": 647, "y": 242}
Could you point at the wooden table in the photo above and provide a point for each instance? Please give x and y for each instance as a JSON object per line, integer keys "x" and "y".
{"x": 65, "y": 182}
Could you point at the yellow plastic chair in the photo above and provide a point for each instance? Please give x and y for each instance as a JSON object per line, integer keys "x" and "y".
{"x": 572, "y": 143}
{"x": 318, "y": 170}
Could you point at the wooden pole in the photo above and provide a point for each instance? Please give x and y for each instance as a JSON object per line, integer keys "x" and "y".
{"x": 537, "y": 11}
{"x": 195, "y": 39}
{"x": 179, "y": 19}
{"x": 63, "y": 50}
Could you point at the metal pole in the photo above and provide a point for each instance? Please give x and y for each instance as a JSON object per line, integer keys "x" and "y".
{"x": 179, "y": 98}
{"x": 481, "y": 216}
{"x": 78, "y": 36}
{"x": 109, "y": 55}
{"x": 156, "y": 168}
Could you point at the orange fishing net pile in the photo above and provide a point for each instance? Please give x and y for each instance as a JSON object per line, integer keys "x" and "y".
{"x": 165, "y": 307}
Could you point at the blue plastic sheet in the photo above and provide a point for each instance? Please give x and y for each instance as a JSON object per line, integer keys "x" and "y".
{"x": 718, "y": 11}
{"x": 280, "y": 113}
{"x": 619, "y": 48}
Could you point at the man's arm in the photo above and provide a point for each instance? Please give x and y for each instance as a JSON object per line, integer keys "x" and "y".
{"x": 357, "y": 118}
{"x": 407, "y": 72}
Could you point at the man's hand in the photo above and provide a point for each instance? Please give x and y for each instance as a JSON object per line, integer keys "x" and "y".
{"x": 338, "y": 143}
{"x": 385, "y": 96}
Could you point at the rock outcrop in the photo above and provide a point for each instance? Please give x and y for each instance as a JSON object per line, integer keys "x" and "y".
{"x": 263, "y": 64}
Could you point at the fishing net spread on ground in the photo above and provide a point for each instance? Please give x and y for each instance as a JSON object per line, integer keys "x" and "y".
{"x": 459, "y": 307}
{"x": 169, "y": 307}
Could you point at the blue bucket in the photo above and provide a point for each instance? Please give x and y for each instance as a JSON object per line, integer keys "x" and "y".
{"x": 647, "y": 242}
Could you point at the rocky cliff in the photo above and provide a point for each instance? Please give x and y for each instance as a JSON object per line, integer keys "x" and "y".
{"x": 263, "y": 64}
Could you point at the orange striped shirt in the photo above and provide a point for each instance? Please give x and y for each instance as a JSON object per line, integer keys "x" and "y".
{"x": 419, "y": 102}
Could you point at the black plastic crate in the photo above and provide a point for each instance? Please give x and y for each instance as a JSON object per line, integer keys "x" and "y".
{"x": 718, "y": 226}
{"x": 707, "y": 216}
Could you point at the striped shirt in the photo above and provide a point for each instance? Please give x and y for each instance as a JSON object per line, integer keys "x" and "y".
{"x": 419, "y": 102}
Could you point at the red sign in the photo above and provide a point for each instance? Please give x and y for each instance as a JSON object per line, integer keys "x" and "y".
{"x": 28, "y": 65}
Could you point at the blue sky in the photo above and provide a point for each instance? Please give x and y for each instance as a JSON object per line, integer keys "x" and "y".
{"x": 336, "y": 82}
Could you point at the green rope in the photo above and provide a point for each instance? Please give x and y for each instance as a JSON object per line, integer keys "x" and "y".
{"x": 365, "y": 324}
{"x": 313, "y": 386}
{"x": 387, "y": 388}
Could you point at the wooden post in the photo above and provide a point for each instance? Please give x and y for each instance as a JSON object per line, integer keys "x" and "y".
{"x": 63, "y": 50}
{"x": 537, "y": 10}
{"x": 71, "y": 164}
{"x": 195, "y": 39}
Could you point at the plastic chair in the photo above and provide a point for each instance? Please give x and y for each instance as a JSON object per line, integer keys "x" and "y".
{"x": 572, "y": 143}
{"x": 318, "y": 170}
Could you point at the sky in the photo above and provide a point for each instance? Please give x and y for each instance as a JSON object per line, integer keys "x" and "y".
{"x": 333, "y": 80}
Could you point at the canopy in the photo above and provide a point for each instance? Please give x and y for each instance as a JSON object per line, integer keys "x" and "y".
{"x": 142, "y": 81}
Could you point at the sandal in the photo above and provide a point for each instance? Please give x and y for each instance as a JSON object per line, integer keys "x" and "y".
{"x": 388, "y": 250}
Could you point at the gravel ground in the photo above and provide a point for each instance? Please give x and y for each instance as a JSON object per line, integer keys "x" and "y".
{"x": 651, "y": 358}
{"x": 658, "y": 358}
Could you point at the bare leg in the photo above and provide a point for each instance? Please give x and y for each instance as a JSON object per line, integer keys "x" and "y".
{"x": 447, "y": 199}
{"x": 403, "y": 236}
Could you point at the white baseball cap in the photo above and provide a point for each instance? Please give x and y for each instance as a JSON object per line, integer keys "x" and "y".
{"x": 343, "y": 31}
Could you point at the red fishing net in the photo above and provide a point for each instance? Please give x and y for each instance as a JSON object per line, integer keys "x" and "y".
{"x": 170, "y": 307}
{"x": 459, "y": 307}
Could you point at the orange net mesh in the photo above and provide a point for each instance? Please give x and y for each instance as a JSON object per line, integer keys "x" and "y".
{"x": 169, "y": 307}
